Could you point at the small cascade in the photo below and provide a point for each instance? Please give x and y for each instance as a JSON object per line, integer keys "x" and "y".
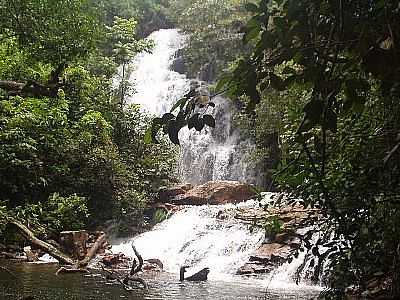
{"x": 195, "y": 237}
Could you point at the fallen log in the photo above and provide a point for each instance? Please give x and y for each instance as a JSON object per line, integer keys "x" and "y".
{"x": 92, "y": 252}
{"x": 53, "y": 251}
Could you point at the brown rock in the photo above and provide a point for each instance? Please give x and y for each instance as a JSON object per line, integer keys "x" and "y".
{"x": 166, "y": 195}
{"x": 216, "y": 192}
{"x": 74, "y": 243}
{"x": 254, "y": 268}
{"x": 271, "y": 253}
{"x": 111, "y": 260}
{"x": 31, "y": 256}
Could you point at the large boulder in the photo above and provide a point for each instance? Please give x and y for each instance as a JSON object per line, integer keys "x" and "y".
{"x": 215, "y": 192}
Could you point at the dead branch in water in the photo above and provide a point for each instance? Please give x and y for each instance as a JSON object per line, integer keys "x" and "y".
{"x": 71, "y": 270}
{"x": 124, "y": 279}
{"x": 92, "y": 252}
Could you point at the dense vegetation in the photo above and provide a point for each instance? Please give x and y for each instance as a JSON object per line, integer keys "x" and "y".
{"x": 326, "y": 74}
{"x": 71, "y": 152}
{"x": 213, "y": 29}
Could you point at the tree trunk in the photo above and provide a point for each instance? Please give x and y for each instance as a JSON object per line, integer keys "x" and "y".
{"x": 62, "y": 258}
{"x": 92, "y": 252}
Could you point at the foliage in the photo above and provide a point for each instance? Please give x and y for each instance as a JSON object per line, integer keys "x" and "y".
{"x": 43, "y": 28}
{"x": 328, "y": 74}
{"x": 193, "y": 108}
{"x": 77, "y": 158}
{"x": 213, "y": 34}
{"x": 66, "y": 213}
{"x": 126, "y": 46}
{"x": 150, "y": 14}
{"x": 159, "y": 216}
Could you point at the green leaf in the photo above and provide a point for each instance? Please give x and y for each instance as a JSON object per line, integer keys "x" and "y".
{"x": 180, "y": 102}
{"x": 251, "y": 34}
{"x": 192, "y": 120}
{"x": 151, "y": 132}
{"x": 148, "y": 136}
{"x": 209, "y": 120}
{"x": 173, "y": 131}
{"x": 313, "y": 111}
{"x": 167, "y": 117}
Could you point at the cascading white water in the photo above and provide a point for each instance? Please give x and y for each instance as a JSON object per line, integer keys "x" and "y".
{"x": 194, "y": 236}
{"x": 212, "y": 154}
{"x": 156, "y": 86}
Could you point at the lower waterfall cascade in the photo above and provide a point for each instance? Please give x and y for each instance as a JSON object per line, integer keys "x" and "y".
{"x": 193, "y": 236}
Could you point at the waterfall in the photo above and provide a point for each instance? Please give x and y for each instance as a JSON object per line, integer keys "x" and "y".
{"x": 212, "y": 154}
{"x": 210, "y": 236}
{"x": 195, "y": 236}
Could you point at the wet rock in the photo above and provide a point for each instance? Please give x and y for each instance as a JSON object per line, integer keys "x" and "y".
{"x": 179, "y": 65}
{"x": 165, "y": 195}
{"x": 251, "y": 268}
{"x": 216, "y": 192}
{"x": 153, "y": 264}
{"x": 31, "y": 256}
{"x": 277, "y": 247}
{"x": 272, "y": 253}
{"x": 74, "y": 243}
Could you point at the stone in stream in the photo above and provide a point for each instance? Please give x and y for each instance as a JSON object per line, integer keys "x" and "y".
{"x": 215, "y": 192}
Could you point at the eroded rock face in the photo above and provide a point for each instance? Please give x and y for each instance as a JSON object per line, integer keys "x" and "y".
{"x": 214, "y": 193}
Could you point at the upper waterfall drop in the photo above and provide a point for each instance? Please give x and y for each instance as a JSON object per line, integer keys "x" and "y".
{"x": 213, "y": 154}
{"x": 156, "y": 86}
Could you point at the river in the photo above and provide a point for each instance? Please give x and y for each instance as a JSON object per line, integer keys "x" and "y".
{"x": 40, "y": 281}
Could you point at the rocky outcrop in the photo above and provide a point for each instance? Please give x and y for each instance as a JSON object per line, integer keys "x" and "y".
{"x": 165, "y": 195}
{"x": 277, "y": 248}
{"x": 214, "y": 193}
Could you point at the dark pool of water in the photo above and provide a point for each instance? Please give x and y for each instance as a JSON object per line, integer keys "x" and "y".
{"x": 40, "y": 281}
